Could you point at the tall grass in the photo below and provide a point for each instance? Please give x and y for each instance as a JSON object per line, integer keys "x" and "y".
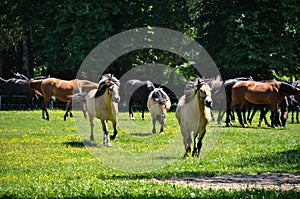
{"x": 51, "y": 159}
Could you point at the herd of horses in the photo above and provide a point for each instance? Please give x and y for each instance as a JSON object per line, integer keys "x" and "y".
{"x": 193, "y": 112}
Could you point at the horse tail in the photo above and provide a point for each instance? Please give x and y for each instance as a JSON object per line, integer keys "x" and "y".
{"x": 78, "y": 97}
{"x": 35, "y": 85}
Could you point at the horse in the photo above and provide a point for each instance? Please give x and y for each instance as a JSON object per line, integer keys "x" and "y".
{"x": 158, "y": 104}
{"x": 102, "y": 103}
{"x": 136, "y": 90}
{"x": 294, "y": 107}
{"x": 61, "y": 90}
{"x": 193, "y": 113}
{"x": 271, "y": 92}
{"x": 18, "y": 87}
{"x": 228, "y": 84}
{"x": 295, "y": 102}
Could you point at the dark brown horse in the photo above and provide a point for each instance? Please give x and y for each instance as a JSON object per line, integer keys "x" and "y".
{"x": 270, "y": 93}
{"x": 16, "y": 86}
{"x": 61, "y": 90}
{"x": 136, "y": 90}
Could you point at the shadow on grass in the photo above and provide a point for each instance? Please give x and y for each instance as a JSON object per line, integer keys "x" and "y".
{"x": 80, "y": 144}
{"x": 285, "y": 159}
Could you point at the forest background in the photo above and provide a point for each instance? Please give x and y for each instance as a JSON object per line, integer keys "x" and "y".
{"x": 258, "y": 38}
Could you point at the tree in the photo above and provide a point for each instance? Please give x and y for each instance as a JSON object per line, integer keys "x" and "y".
{"x": 250, "y": 38}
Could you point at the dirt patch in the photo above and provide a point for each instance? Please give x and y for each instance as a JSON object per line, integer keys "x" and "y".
{"x": 278, "y": 181}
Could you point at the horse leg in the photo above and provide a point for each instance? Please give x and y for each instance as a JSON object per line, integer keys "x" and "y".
{"x": 297, "y": 116}
{"x": 199, "y": 144}
{"x": 187, "y": 140}
{"x": 68, "y": 108}
{"x": 143, "y": 111}
{"x": 162, "y": 123}
{"x": 228, "y": 112}
{"x": 91, "y": 118}
{"x": 105, "y": 131}
{"x": 252, "y": 115}
{"x": 220, "y": 116}
{"x": 115, "y": 130}
{"x": 153, "y": 124}
{"x": 44, "y": 109}
{"x": 130, "y": 109}
{"x": 274, "y": 109}
{"x": 239, "y": 114}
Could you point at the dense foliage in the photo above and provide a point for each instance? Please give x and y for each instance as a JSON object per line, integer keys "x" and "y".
{"x": 258, "y": 38}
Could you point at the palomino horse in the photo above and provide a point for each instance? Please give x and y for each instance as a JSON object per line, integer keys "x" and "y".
{"x": 158, "y": 104}
{"x": 102, "y": 103}
{"x": 61, "y": 90}
{"x": 270, "y": 93}
{"x": 136, "y": 90}
{"x": 193, "y": 114}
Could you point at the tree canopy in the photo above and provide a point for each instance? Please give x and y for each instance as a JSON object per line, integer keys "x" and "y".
{"x": 258, "y": 38}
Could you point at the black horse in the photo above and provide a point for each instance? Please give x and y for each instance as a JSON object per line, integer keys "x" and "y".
{"x": 19, "y": 85}
{"x": 136, "y": 90}
{"x": 16, "y": 86}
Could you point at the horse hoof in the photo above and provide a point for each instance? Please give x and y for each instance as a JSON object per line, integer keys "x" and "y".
{"x": 108, "y": 144}
{"x": 112, "y": 137}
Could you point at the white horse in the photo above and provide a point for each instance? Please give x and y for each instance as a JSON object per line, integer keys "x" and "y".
{"x": 158, "y": 104}
{"x": 193, "y": 114}
{"x": 102, "y": 103}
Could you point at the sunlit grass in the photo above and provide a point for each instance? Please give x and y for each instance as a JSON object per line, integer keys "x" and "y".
{"x": 49, "y": 159}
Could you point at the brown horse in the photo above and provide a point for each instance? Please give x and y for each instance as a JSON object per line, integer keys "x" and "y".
{"x": 270, "y": 93}
{"x": 61, "y": 90}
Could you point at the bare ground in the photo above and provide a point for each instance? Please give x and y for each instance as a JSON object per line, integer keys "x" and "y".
{"x": 278, "y": 181}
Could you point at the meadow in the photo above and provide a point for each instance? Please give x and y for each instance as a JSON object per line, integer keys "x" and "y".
{"x": 55, "y": 159}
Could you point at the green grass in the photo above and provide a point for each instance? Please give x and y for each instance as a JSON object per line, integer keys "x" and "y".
{"x": 48, "y": 159}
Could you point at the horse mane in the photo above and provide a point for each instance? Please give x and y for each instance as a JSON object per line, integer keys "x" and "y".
{"x": 105, "y": 82}
{"x": 190, "y": 90}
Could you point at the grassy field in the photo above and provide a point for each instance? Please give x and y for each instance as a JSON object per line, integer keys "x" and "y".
{"x": 55, "y": 159}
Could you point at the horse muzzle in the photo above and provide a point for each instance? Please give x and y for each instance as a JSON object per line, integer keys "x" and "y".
{"x": 208, "y": 103}
{"x": 116, "y": 99}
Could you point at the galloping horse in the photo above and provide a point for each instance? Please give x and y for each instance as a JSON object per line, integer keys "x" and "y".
{"x": 60, "y": 89}
{"x": 158, "y": 104}
{"x": 193, "y": 114}
{"x": 136, "y": 90}
{"x": 270, "y": 93}
{"x": 102, "y": 104}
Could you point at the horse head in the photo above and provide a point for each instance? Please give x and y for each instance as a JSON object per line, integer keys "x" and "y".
{"x": 161, "y": 98}
{"x": 204, "y": 92}
{"x": 111, "y": 83}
